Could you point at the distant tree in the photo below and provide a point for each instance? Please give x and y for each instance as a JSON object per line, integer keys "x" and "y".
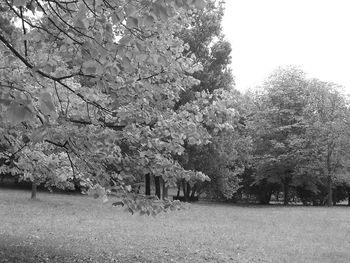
{"x": 277, "y": 121}
{"x": 326, "y": 138}
{"x": 300, "y": 131}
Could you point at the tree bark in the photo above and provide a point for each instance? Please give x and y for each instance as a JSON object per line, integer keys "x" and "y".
{"x": 348, "y": 197}
{"x": 188, "y": 192}
{"x": 165, "y": 190}
{"x": 33, "y": 190}
{"x": 147, "y": 184}
{"x": 265, "y": 197}
{"x": 330, "y": 191}
{"x": 185, "y": 190}
{"x": 157, "y": 185}
{"x": 286, "y": 192}
{"x": 194, "y": 188}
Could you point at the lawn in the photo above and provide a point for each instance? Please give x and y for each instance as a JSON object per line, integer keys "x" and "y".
{"x": 71, "y": 228}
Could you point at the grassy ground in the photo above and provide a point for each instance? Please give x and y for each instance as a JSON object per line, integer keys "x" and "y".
{"x": 63, "y": 228}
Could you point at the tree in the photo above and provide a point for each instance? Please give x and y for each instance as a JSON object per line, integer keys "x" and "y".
{"x": 326, "y": 138}
{"x": 277, "y": 121}
{"x": 300, "y": 130}
{"x": 206, "y": 41}
{"x": 98, "y": 80}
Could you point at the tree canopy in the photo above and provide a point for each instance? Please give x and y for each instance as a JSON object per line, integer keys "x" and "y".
{"x": 92, "y": 85}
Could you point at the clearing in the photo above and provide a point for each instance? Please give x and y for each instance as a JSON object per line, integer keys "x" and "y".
{"x": 72, "y": 228}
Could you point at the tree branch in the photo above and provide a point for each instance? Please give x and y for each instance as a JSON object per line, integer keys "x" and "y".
{"x": 58, "y": 80}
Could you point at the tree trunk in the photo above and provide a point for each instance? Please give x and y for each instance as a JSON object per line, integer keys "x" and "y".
{"x": 194, "y": 188}
{"x": 348, "y": 197}
{"x": 33, "y": 190}
{"x": 157, "y": 185}
{"x": 185, "y": 190}
{"x": 265, "y": 197}
{"x": 147, "y": 184}
{"x": 178, "y": 189}
{"x": 188, "y": 193}
{"x": 286, "y": 192}
{"x": 330, "y": 191}
{"x": 165, "y": 190}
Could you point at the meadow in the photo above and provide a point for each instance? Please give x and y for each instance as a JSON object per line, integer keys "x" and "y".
{"x": 73, "y": 228}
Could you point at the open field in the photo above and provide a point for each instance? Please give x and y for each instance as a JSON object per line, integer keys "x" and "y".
{"x": 63, "y": 228}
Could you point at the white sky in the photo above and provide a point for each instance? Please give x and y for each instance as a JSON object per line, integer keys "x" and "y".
{"x": 265, "y": 34}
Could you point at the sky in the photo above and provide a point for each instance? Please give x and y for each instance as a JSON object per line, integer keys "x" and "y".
{"x": 266, "y": 34}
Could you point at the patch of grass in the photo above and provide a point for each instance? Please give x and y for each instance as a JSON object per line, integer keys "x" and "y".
{"x": 71, "y": 228}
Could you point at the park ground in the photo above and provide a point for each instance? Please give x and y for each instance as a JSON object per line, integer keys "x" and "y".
{"x": 72, "y": 228}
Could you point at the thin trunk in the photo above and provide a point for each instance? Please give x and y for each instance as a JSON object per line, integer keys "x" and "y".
{"x": 165, "y": 190}
{"x": 330, "y": 191}
{"x": 185, "y": 190}
{"x": 33, "y": 190}
{"x": 329, "y": 179}
{"x": 188, "y": 192}
{"x": 348, "y": 197}
{"x": 157, "y": 185}
{"x": 178, "y": 189}
{"x": 147, "y": 184}
{"x": 194, "y": 188}
{"x": 286, "y": 192}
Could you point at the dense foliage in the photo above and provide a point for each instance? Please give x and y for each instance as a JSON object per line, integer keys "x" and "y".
{"x": 300, "y": 128}
{"x": 104, "y": 96}
{"x": 88, "y": 92}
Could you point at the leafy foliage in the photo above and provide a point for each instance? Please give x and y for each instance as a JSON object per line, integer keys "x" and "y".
{"x": 300, "y": 131}
{"x": 94, "y": 85}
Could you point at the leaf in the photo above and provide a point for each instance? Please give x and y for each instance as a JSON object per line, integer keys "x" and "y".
{"x": 124, "y": 40}
{"x": 10, "y": 59}
{"x": 179, "y": 3}
{"x": 161, "y": 60}
{"x": 25, "y": 139}
{"x": 17, "y": 113}
{"x": 38, "y": 134}
{"x": 19, "y": 3}
{"x": 117, "y": 17}
{"x": 148, "y": 20}
{"x": 132, "y": 22}
{"x": 91, "y": 67}
{"x": 199, "y": 4}
{"x": 130, "y": 10}
{"x": 46, "y": 105}
{"x": 160, "y": 11}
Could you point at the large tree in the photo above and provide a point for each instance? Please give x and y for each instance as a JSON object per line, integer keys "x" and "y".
{"x": 300, "y": 135}
{"x": 324, "y": 146}
{"x": 98, "y": 80}
{"x": 207, "y": 42}
{"x": 277, "y": 120}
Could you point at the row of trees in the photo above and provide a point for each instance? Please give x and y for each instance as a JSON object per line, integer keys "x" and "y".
{"x": 293, "y": 140}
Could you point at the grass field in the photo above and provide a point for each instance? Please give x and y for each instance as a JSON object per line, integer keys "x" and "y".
{"x": 64, "y": 228}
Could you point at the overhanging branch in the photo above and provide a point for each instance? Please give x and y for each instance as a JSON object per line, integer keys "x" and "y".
{"x": 43, "y": 74}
